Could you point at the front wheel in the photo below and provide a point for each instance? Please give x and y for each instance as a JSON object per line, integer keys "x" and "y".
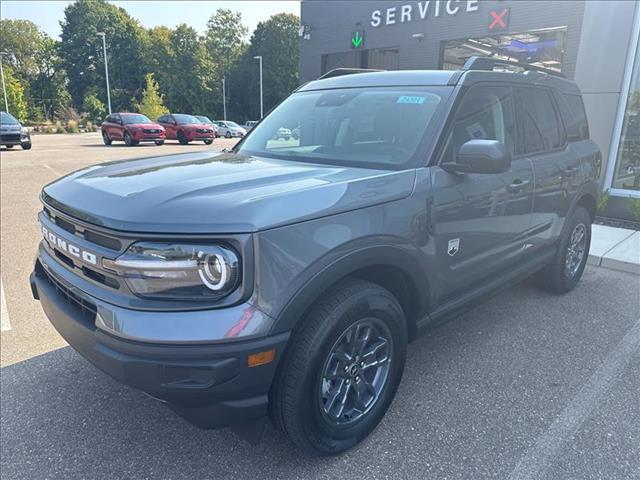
{"x": 128, "y": 139}
{"x": 566, "y": 269}
{"x": 208, "y": 142}
{"x": 343, "y": 368}
{"x": 26, "y": 146}
{"x": 182, "y": 139}
{"x": 227, "y": 135}
{"x": 159, "y": 142}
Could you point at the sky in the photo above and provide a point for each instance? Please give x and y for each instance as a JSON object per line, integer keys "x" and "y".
{"x": 48, "y": 14}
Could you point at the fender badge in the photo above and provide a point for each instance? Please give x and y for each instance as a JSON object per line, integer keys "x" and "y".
{"x": 454, "y": 246}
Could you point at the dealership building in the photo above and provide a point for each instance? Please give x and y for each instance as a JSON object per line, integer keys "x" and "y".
{"x": 596, "y": 43}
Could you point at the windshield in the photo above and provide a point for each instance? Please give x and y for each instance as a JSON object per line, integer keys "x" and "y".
{"x": 381, "y": 126}
{"x": 203, "y": 119}
{"x": 7, "y": 118}
{"x": 183, "y": 119}
{"x": 130, "y": 119}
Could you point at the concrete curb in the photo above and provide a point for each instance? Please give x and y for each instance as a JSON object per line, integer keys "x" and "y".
{"x": 615, "y": 248}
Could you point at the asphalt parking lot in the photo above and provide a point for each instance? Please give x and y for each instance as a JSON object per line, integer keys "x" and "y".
{"x": 527, "y": 385}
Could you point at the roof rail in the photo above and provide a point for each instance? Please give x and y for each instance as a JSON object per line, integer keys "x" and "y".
{"x": 339, "y": 72}
{"x": 489, "y": 63}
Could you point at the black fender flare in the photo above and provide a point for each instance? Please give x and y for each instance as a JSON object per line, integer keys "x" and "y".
{"x": 401, "y": 258}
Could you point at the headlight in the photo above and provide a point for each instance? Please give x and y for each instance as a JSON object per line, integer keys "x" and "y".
{"x": 24, "y": 131}
{"x": 178, "y": 271}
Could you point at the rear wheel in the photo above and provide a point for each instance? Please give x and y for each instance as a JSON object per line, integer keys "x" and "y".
{"x": 9, "y": 146}
{"x": 105, "y": 138}
{"x": 182, "y": 139}
{"x": 565, "y": 271}
{"x": 342, "y": 370}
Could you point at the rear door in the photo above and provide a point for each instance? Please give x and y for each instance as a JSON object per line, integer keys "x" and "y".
{"x": 556, "y": 167}
{"x": 481, "y": 221}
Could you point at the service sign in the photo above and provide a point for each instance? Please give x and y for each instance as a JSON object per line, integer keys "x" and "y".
{"x": 422, "y": 11}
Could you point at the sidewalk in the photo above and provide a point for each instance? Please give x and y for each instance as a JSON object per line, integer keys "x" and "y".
{"x": 615, "y": 248}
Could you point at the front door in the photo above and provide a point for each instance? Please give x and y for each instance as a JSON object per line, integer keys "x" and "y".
{"x": 481, "y": 221}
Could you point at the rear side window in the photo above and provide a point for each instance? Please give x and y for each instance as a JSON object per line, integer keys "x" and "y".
{"x": 575, "y": 118}
{"x": 539, "y": 123}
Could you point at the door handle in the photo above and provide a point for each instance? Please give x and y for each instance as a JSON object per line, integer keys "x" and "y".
{"x": 517, "y": 185}
{"x": 570, "y": 171}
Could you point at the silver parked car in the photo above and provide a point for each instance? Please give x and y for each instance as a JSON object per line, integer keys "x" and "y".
{"x": 228, "y": 129}
{"x": 13, "y": 133}
{"x": 249, "y": 124}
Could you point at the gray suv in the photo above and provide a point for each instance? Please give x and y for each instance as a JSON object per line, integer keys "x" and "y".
{"x": 285, "y": 278}
{"x": 13, "y": 133}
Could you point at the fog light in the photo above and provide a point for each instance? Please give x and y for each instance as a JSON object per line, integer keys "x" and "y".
{"x": 261, "y": 358}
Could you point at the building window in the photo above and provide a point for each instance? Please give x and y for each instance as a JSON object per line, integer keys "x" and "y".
{"x": 543, "y": 47}
{"x": 626, "y": 175}
{"x": 377, "y": 58}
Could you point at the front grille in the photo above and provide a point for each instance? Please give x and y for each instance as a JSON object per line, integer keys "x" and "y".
{"x": 85, "y": 306}
{"x": 151, "y": 130}
{"x": 10, "y": 137}
{"x": 89, "y": 235}
{"x": 204, "y": 130}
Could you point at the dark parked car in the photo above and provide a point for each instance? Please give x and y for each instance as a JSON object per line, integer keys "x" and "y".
{"x": 286, "y": 278}
{"x": 13, "y": 133}
{"x": 186, "y": 128}
{"x": 131, "y": 128}
{"x": 207, "y": 121}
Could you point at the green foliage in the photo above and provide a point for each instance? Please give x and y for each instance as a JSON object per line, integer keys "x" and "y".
{"x": 15, "y": 95}
{"x": 83, "y": 57}
{"x": 152, "y": 104}
{"x": 276, "y": 40}
{"x": 603, "y": 201}
{"x": 634, "y": 208}
{"x": 225, "y": 38}
{"x": 21, "y": 38}
{"x": 93, "y": 107}
{"x": 72, "y": 126}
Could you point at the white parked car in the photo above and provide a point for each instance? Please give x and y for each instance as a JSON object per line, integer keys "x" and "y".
{"x": 284, "y": 133}
{"x": 248, "y": 125}
{"x": 230, "y": 129}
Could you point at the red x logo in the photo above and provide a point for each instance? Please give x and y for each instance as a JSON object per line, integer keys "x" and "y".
{"x": 499, "y": 19}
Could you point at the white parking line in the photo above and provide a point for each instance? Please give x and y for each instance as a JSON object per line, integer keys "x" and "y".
{"x": 4, "y": 314}
{"x": 52, "y": 169}
{"x": 541, "y": 455}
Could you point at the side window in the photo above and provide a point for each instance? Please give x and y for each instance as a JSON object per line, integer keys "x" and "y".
{"x": 541, "y": 128}
{"x": 162, "y": 119}
{"x": 116, "y": 119}
{"x": 575, "y": 118}
{"x": 486, "y": 112}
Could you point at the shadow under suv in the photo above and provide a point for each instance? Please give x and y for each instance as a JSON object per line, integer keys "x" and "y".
{"x": 287, "y": 276}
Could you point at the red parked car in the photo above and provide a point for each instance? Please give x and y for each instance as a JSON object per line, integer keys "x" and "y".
{"x": 186, "y": 128}
{"x": 132, "y": 128}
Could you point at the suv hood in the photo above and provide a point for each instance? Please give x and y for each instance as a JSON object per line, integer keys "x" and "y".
{"x": 218, "y": 193}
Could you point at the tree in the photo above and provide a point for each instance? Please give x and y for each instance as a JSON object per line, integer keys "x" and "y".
{"x": 82, "y": 53}
{"x": 276, "y": 40}
{"x": 152, "y": 101}
{"x": 225, "y": 37}
{"x": 20, "y": 38}
{"x": 15, "y": 95}
{"x": 93, "y": 107}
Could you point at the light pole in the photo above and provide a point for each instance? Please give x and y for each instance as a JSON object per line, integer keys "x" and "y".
{"x": 259, "y": 58}
{"x": 4, "y": 87}
{"x": 106, "y": 67}
{"x": 224, "y": 100}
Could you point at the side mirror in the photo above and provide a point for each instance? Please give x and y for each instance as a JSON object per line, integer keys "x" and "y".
{"x": 481, "y": 156}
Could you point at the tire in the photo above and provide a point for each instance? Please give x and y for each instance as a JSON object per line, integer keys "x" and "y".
{"x": 562, "y": 275}
{"x": 208, "y": 142}
{"x": 9, "y": 146}
{"x": 182, "y": 139}
{"x": 159, "y": 142}
{"x": 227, "y": 135}
{"x": 301, "y": 397}
{"x": 128, "y": 140}
{"x": 26, "y": 146}
{"x": 105, "y": 138}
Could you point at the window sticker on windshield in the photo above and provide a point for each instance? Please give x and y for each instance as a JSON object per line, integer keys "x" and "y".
{"x": 476, "y": 130}
{"x": 411, "y": 99}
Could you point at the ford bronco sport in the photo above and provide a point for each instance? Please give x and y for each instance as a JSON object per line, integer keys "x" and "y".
{"x": 286, "y": 277}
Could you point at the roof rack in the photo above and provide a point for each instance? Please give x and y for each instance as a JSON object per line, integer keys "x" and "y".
{"x": 339, "y": 72}
{"x": 489, "y": 63}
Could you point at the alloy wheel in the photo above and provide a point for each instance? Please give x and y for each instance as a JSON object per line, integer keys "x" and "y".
{"x": 575, "y": 250}
{"x": 355, "y": 371}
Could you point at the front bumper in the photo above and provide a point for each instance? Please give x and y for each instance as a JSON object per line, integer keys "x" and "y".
{"x": 210, "y": 385}
{"x": 14, "y": 139}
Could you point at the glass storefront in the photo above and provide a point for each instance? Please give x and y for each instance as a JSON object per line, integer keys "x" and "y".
{"x": 542, "y": 47}
{"x": 626, "y": 175}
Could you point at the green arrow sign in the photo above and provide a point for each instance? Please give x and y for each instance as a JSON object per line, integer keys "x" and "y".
{"x": 357, "y": 39}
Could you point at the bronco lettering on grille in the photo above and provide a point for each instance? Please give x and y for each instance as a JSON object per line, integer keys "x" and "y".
{"x": 71, "y": 249}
